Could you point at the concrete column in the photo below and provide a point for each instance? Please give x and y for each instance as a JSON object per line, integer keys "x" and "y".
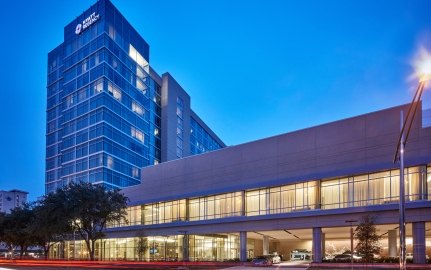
{"x": 392, "y": 243}
{"x": 187, "y": 217}
{"x": 243, "y": 246}
{"x": 418, "y": 229}
{"x": 265, "y": 248}
{"x": 317, "y": 244}
{"x": 323, "y": 245}
{"x": 243, "y": 198}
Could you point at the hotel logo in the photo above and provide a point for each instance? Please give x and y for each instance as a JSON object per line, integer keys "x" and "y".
{"x": 80, "y": 27}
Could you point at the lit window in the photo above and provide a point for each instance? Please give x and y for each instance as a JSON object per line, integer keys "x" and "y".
{"x": 98, "y": 86}
{"x": 135, "y": 172}
{"x": 84, "y": 66}
{"x": 140, "y": 85}
{"x": 137, "y": 134}
{"x": 110, "y": 162}
{"x": 69, "y": 100}
{"x": 137, "y": 57}
{"x": 114, "y": 91}
{"x": 117, "y": 94}
{"x": 139, "y": 72}
{"x": 137, "y": 108}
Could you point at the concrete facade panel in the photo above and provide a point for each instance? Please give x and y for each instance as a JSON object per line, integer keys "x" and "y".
{"x": 298, "y": 141}
{"x": 352, "y": 146}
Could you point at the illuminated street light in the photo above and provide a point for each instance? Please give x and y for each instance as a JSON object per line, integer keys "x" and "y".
{"x": 422, "y": 66}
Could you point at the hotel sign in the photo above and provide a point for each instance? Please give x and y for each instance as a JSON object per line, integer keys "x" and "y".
{"x": 80, "y": 27}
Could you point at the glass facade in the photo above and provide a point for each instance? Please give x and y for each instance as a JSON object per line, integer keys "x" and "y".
{"x": 103, "y": 109}
{"x": 154, "y": 248}
{"x": 180, "y": 127}
{"x": 295, "y": 197}
{"x": 164, "y": 212}
{"x": 217, "y": 206}
{"x": 351, "y": 191}
{"x": 200, "y": 140}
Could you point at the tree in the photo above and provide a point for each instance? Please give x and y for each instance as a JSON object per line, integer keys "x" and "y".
{"x": 90, "y": 208}
{"x": 49, "y": 225}
{"x": 2, "y": 226}
{"x": 17, "y": 232}
{"x": 367, "y": 238}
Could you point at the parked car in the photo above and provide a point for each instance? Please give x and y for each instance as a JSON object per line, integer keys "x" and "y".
{"x": 329, "y": 257}
{"x": 347, "y": 257}
{"x": 300, "y": 254}
{"x": 342, "y": 258}
{"x": 274, "y": 258}
{"x": 262, "y": 261}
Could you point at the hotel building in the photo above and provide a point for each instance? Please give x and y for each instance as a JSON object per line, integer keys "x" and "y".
{"x": 108, "y": 112}
{"x": 288, "y": 194}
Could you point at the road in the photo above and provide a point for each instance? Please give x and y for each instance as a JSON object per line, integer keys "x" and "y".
{"x": 285, "y": 265}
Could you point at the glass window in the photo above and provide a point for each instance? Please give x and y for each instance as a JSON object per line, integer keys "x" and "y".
{"x": 253, "y": 203}
{"x": 413, "y": 184}
{"x": 360, "y": 190}
{"x": 137, "y": 134}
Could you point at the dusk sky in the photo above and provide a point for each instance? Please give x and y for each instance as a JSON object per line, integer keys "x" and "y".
{"x": 253, "y": 69}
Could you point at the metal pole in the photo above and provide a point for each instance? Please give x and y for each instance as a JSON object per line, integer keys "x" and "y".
{"x": 402, "y": 209}
{"x": 351, "y": 240}
{"x": 165, "y": 247}
{"x": 351, "y": 243}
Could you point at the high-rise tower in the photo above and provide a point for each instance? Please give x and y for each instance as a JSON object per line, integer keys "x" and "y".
{"x": 108, "y": 112}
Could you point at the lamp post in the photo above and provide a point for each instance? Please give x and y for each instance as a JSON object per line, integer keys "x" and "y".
{"x": 351, "y": 221}
{"x": 423, "y": 71}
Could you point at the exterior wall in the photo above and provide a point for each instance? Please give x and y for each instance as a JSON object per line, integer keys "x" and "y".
{"x": 258, "y": 247}
{"x": 11, "y": 199}
{"x": 285, "y": 247}
{"x": 363, "y": 144}
{"x": 352, "y": 146}
{"x": 171, "y": 91}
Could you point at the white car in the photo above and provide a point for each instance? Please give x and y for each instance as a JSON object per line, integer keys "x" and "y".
{"x": 274, "y": 258}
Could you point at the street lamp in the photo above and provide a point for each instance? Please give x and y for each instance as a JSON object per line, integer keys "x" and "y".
{"x": 351, "y": 221}
{"x": 423, "y": 72}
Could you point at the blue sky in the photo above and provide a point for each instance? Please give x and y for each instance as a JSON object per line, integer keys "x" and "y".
{"x": 253, "y": 68}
